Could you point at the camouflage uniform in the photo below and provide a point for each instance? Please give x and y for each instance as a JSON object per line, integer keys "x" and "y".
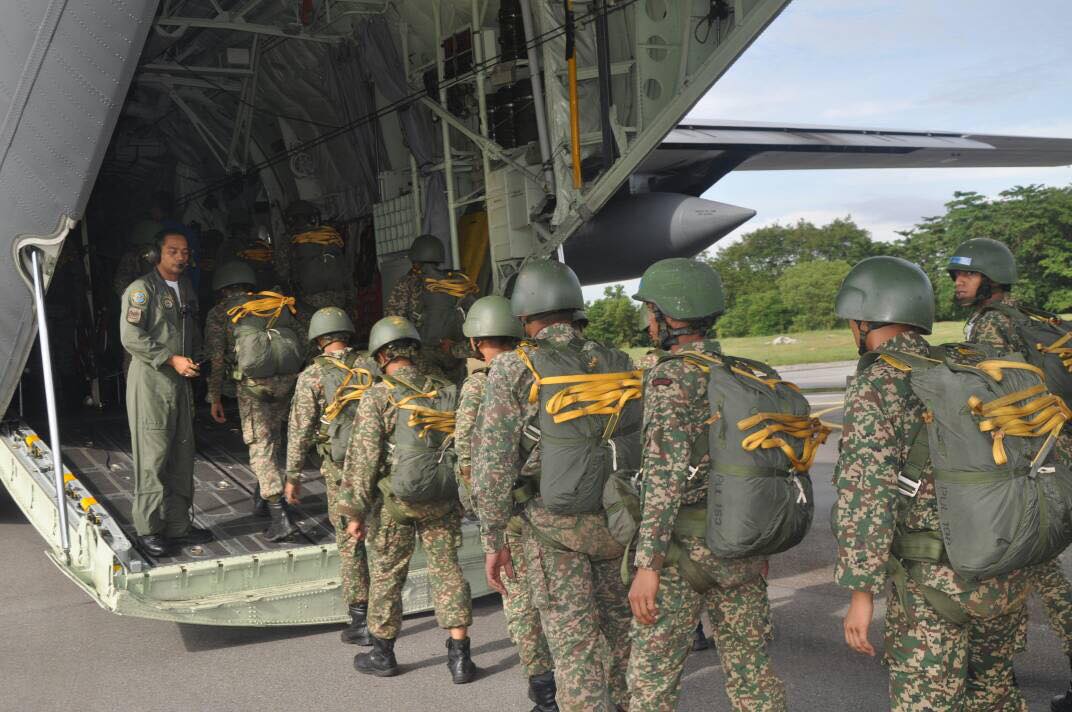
{"x": 281, "y": 257}
{"x": 675, "y": 408}
{"x": 405, "y": 301}
{"x": 130, "y": 267}
{"x": 306, "y": 409}
{"x": 391, "y": 542}
{"x": 934, "y": 664}
{"x": 263, "y": 403}
{"x": 573, "y": 561}
{"x": 1048, "y": 580}
{"x": 522, "y": 618}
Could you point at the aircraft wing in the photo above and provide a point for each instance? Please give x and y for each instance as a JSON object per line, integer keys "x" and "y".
{"x": 697, "y": 154}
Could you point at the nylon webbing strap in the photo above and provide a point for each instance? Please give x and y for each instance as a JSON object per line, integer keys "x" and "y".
{"x": 919, "y": 546}
{"x": 910, "y": 478}
{"x": 943, "y": 603}
{"x": 257, "y": 253}
{"x": 390, "y": 505}
{"x": 269, "y": 306}
{"x": 326, "y": 236}
{"x": 347, "y": 392}
{"x": 456, "y": 284}
{"x": 805, "y": 428}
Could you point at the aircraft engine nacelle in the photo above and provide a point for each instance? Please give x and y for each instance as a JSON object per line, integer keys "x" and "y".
{"x": 630, "y": 233}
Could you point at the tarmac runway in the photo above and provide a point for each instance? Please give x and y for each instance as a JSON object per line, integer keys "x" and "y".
{"x": 59, "y": 651}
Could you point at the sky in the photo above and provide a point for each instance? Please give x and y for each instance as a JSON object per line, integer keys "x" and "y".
{"x": 980, "y": 66}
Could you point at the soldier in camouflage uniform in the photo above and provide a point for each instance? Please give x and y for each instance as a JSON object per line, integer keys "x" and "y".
{"x": 984, "y": 271}
{"x": 492, "y": 331}
{"x": 263, "y": 403}
{"x": 331, "y": 331}
{"x": 573, "y": 560}
{"x": 934, "y": 663}
{"x": 391, "y": 529}
{"x": 302, "y": 216}
{"x": 683, "y": 298}
{"x": 436, "y": 315}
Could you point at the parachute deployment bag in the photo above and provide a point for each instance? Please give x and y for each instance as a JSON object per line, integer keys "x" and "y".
{"x": 441, "y": 314}
{"x": 762, "y": 441}
{"x": 345, "y": 384}
{"x": 266, "y": 336}
{"x": 1049, "y": 341}
{"x": 991, "y": 424}
{"x": 589, "y": 421}
{"x": 422, "y": 449}
{"x": 319, "y": 261}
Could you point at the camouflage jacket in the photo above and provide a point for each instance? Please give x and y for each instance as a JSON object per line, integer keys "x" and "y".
{"x": 220, "y": 349}
{"x": 405, "y": 301}
{"x": 367, "y": 460}
{"x": 650, "y": 358}
{"x": 880, "y": 409}
{"x": 469, "y": 400}
{"x": 308, "y": 406}
{"x": 503, "y": 415}
{"x": 989, "y": 326}
{"x": 675, "y": 408}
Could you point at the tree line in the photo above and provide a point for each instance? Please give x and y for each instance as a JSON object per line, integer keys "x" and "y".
{"x": 783, "y": 278}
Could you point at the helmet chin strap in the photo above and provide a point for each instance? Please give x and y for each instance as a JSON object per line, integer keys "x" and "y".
{"x": 667, "y": 336}
{"x": 861, "y": 348}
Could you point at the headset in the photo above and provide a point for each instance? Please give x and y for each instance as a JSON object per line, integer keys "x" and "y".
{"x": 152, "y": 254}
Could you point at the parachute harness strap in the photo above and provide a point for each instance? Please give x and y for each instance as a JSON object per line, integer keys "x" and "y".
{"x": 257, "y": 253}
{"x": 269, "y": 306}
{"x": 325, "y": 236}
{"x": 1061, "y": 348}
{"x": 422, "y": 417}
{"x": 348, "y": 391}
{"x": 456, "y": 284}
{"x": 1028, "y": 413}
{"x": 593, "y": 393}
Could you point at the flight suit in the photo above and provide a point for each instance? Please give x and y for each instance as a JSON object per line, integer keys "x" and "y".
{"x": 160, "y": 409}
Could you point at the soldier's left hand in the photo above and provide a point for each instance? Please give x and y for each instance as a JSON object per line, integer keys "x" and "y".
{"x": 356, "y": 529}
{"x": 858, "y": 620}
{"x": 292, "y": 492}
{"x": 642, "y": 595}
{"x": 495, "y": 565}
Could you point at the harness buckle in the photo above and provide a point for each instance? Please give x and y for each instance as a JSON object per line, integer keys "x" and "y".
{"x": 907, "y": 486}
{"x": 693, "y": 471}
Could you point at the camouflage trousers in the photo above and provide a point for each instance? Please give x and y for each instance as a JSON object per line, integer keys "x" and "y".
{"x": 935, "y": 664}
{"x": 522, "y": 618}
{"x": 1051, "y": 585}
{"x": 390, "y": 547}
{"x": 741, "y": 624}
{"x": 353, "y": 561}
{"x": 264, "y": 406}
{"x": 584, "y": 609}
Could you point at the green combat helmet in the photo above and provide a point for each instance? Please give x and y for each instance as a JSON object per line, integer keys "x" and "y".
{"x": 233, "y": 273}
{"x": 682, "y": 288}
{"x": 426, "y": 248}
{"x": 388, "y": 329}
{"x": 546, "y": 286}
{"x": 491, "y": 316}
{"x": 887, "y": 290}
{"x": 580, "y": 317}
{"x": 329, "y": 320}
{"x": 990, "y": 258}
{"x": 143, "y": 234}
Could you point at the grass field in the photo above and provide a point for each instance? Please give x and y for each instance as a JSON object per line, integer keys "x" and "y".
{"x": 815, "y": 346}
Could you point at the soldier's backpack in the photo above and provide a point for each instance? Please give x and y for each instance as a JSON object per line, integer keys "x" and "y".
{"x": 441, "y": 312}
{"x": 318, "y": 261}
{"x": 344, "y": 384}
{"x": 258, "y": 255}
{"x": 990, "y": 426}
{"x": 1049, "y": 338}
{"x": 422, "y": 445}
{"x": 589, "y": 421}
{"x": 267, "y": 341}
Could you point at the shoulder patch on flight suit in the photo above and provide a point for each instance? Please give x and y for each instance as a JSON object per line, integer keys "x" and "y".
{"x": 134, "y": 315}
{"x": 138, "y": 297}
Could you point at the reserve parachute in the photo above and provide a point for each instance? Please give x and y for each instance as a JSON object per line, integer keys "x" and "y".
{"x": 422, "y": 446}
{"x": 319, "y": 261}
{"x": 266, "y": 335}
{"x": 990, "y": 428}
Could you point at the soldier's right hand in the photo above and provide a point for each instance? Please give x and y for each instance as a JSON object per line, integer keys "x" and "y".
{"x": 185, "y": 367}
{"x": 858, "y": 620}
{"x": 355, "y": 529}
{"x": 495, "y": 565}
{"x": 217, "y": 412}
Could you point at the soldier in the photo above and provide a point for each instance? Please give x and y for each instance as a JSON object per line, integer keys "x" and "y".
{"x": 492, "y": 331}
{"x": 435, "y": 302}
{"x": 572, "y": 559}
{"x": 392, "y": 525}
{"x": 890, "y": 305}
{"x": 983, "y": 272}
{"x": 310, "y": 258}
{"x": 319, "y": 387}
{"x": 683, "y": 298}
{"x": 159, "y": 331}
{"x": 263, "y": 403}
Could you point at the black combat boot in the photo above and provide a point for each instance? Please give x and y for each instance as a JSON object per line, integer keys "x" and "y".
{"x": 542, "y": 691}
{"x": 260, "y": 504}
{"x": 357, "y": 632}
{"x": 1063, "y": 703}
{"x": 700, "y": 642}
{"x": 461, "y": 666}
{"x": 380, "y": 661}
{"x": 281, "y": 527}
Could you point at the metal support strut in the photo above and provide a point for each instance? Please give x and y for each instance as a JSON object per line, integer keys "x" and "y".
{"x": 50, "y": 398}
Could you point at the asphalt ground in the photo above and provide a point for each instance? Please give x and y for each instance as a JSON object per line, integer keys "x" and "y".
{"x": 60, "y": 651}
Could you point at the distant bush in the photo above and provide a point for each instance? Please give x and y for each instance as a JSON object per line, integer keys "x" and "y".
{"x": 808, "y": 290}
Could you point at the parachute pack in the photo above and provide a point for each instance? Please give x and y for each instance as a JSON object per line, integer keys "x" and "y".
{"x": 989, "y": 430}
{"x": 1049, "y": 338}
{"x": 319, "y": 261}
{"x": 422, "y": 448}
{"x": 590, "y": 416}
{"x": 441, "y": 315}
{"x": 347, "y": 383}
{"x": 267, "y": 341}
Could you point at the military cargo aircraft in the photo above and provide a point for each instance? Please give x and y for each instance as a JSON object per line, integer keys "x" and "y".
{"x": 507, "y": 128}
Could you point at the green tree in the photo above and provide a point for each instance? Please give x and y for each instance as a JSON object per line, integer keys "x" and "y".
{"x": 612, "y": 320}
{"x": 755, "y": 314}
{"x": 808, "y": 290}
